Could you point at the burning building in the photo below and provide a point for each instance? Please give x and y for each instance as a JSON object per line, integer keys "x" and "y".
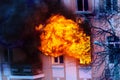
{"x": 52, "y": 40}
{"x": 67, "y": 66}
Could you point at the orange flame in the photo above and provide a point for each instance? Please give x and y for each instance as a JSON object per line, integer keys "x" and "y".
{"x": 64, "y": 36}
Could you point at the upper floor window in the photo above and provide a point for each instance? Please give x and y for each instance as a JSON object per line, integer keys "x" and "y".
{"x": 113, "y": 44}
{"x": 84, "y": 6}
{"x": 22, "y": 63}
{"x": 58, "y": 60}
{"x": 108, "y": 6}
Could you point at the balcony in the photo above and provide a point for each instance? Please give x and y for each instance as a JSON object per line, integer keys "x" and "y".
{"x": 22, "y": 71}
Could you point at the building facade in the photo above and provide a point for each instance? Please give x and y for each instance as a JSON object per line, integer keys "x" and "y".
{"x": 69, "y": 68}
{"x": 65, "y": 67}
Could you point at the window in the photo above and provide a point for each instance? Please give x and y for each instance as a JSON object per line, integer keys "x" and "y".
{"x": 82, "y": 5}
{"x": 108, "y": 6}
{"x": 23, "y": 63}
{"x": 113, "y": 47}
{"x": 58, "y": 60}
{"x": 7, "y": 55}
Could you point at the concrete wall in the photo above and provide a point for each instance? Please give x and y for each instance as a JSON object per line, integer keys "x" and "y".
{"x": 47, "y": 67}
{"x": 70, "y": 68}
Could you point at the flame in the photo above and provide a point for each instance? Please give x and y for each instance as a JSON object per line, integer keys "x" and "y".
{"x": 64, "y": 36}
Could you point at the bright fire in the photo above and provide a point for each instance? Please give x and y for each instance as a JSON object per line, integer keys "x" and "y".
{"x": 64, "y": 36}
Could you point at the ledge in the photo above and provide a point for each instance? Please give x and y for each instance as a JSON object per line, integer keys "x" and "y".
{"x": 57, "y": 66}
{"x": 26, "y": 77}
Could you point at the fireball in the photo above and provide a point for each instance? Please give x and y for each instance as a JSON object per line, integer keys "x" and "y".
{"x": 64, "y": 36}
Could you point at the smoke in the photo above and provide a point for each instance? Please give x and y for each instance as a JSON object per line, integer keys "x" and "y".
{"x": 20, "y": 17}
{"x": 44, "y": 9}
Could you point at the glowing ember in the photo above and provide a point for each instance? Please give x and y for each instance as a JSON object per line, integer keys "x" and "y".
{"x": 64, "y": 36}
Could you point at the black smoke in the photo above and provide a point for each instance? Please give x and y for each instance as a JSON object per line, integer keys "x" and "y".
{"x": 18, "y": 19}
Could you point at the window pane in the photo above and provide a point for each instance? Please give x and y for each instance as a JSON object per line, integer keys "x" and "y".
{"x": 102, "y": 5}
{"x": 61, "y": 59}
{"x": 115, "y": 6}
{"x": 108, "y": 5}
{"x": 110, "y": 46}
{"x": 6, "y": 55}
{"x": 10, "y": 54}
{"x": 117, "y": 45}
{"x": 55, "y": 59}
{"x": 86, "y": 5}
{"x": 80, "y": 5}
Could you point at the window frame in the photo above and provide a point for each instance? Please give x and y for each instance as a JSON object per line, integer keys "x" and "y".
{"x": 58, "y": 60}
{"x": 90, "y": 7}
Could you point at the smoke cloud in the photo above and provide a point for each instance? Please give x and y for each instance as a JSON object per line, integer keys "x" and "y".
{"x": 18, "y": 19}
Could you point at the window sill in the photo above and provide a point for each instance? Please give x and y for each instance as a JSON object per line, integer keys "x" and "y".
{"x": 83, "y": 12}
{"x": 26, "y": 77}
{"x": 85, "y": 67}
{"x": 57, "y": 66}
